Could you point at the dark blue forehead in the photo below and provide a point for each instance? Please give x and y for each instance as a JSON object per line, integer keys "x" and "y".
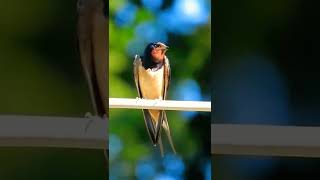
{"x": 149, "y": 47}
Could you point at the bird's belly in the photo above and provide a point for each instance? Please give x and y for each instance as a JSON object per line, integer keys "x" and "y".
{"x": 151, "y": 86}
{"x": 151, "y": 83}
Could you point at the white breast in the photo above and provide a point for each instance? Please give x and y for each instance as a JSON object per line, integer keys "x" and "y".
{"x": 151, "y": 83}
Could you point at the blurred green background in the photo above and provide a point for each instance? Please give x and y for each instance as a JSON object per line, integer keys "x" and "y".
{"x": 185, "y": 26}
{"x": 40, "y": 74}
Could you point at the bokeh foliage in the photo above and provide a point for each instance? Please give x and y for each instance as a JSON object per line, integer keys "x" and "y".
{"x": 190, "y": 60}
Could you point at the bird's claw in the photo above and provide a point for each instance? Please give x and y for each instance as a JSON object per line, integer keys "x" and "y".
{"x": 138, "y": 99}
{"x": 90, "y": 117}
{"x": 156, "y": 101}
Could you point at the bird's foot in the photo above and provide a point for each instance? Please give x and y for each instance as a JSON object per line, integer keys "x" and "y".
{"x": 156, "y": 101}
{"x": 90, "y": 117}
{"x": 138, "y": 99}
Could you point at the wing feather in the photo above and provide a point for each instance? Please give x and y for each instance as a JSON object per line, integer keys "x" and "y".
{"x": 164, "y": 121}
{"x": 166, "y": 128}
{"x": 167, "y": 76}
{"x": 100, "y": 51}
{"x": 152, "y": 128}
{"x": 92, "y": 42}
{"x": 136, "y": 63}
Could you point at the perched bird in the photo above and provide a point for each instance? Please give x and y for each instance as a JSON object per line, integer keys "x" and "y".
{"x": 92, "y": 41}
{"x": 152, "y": 76}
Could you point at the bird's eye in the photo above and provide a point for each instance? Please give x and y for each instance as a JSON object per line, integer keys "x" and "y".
{"x": 157, "y": 45}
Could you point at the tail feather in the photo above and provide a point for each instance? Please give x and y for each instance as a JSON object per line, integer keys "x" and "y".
{"x": 154, "y": 129}
{"x": 161, "y": 147}
{"x": 166, "y": 128}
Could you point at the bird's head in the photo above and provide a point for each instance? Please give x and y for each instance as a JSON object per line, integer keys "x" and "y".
{"x": 156, "y": 51}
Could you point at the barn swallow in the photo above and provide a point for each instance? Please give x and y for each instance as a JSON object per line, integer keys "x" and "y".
{"x": 92, "y": 42}
{"x": 152, "y": 77}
